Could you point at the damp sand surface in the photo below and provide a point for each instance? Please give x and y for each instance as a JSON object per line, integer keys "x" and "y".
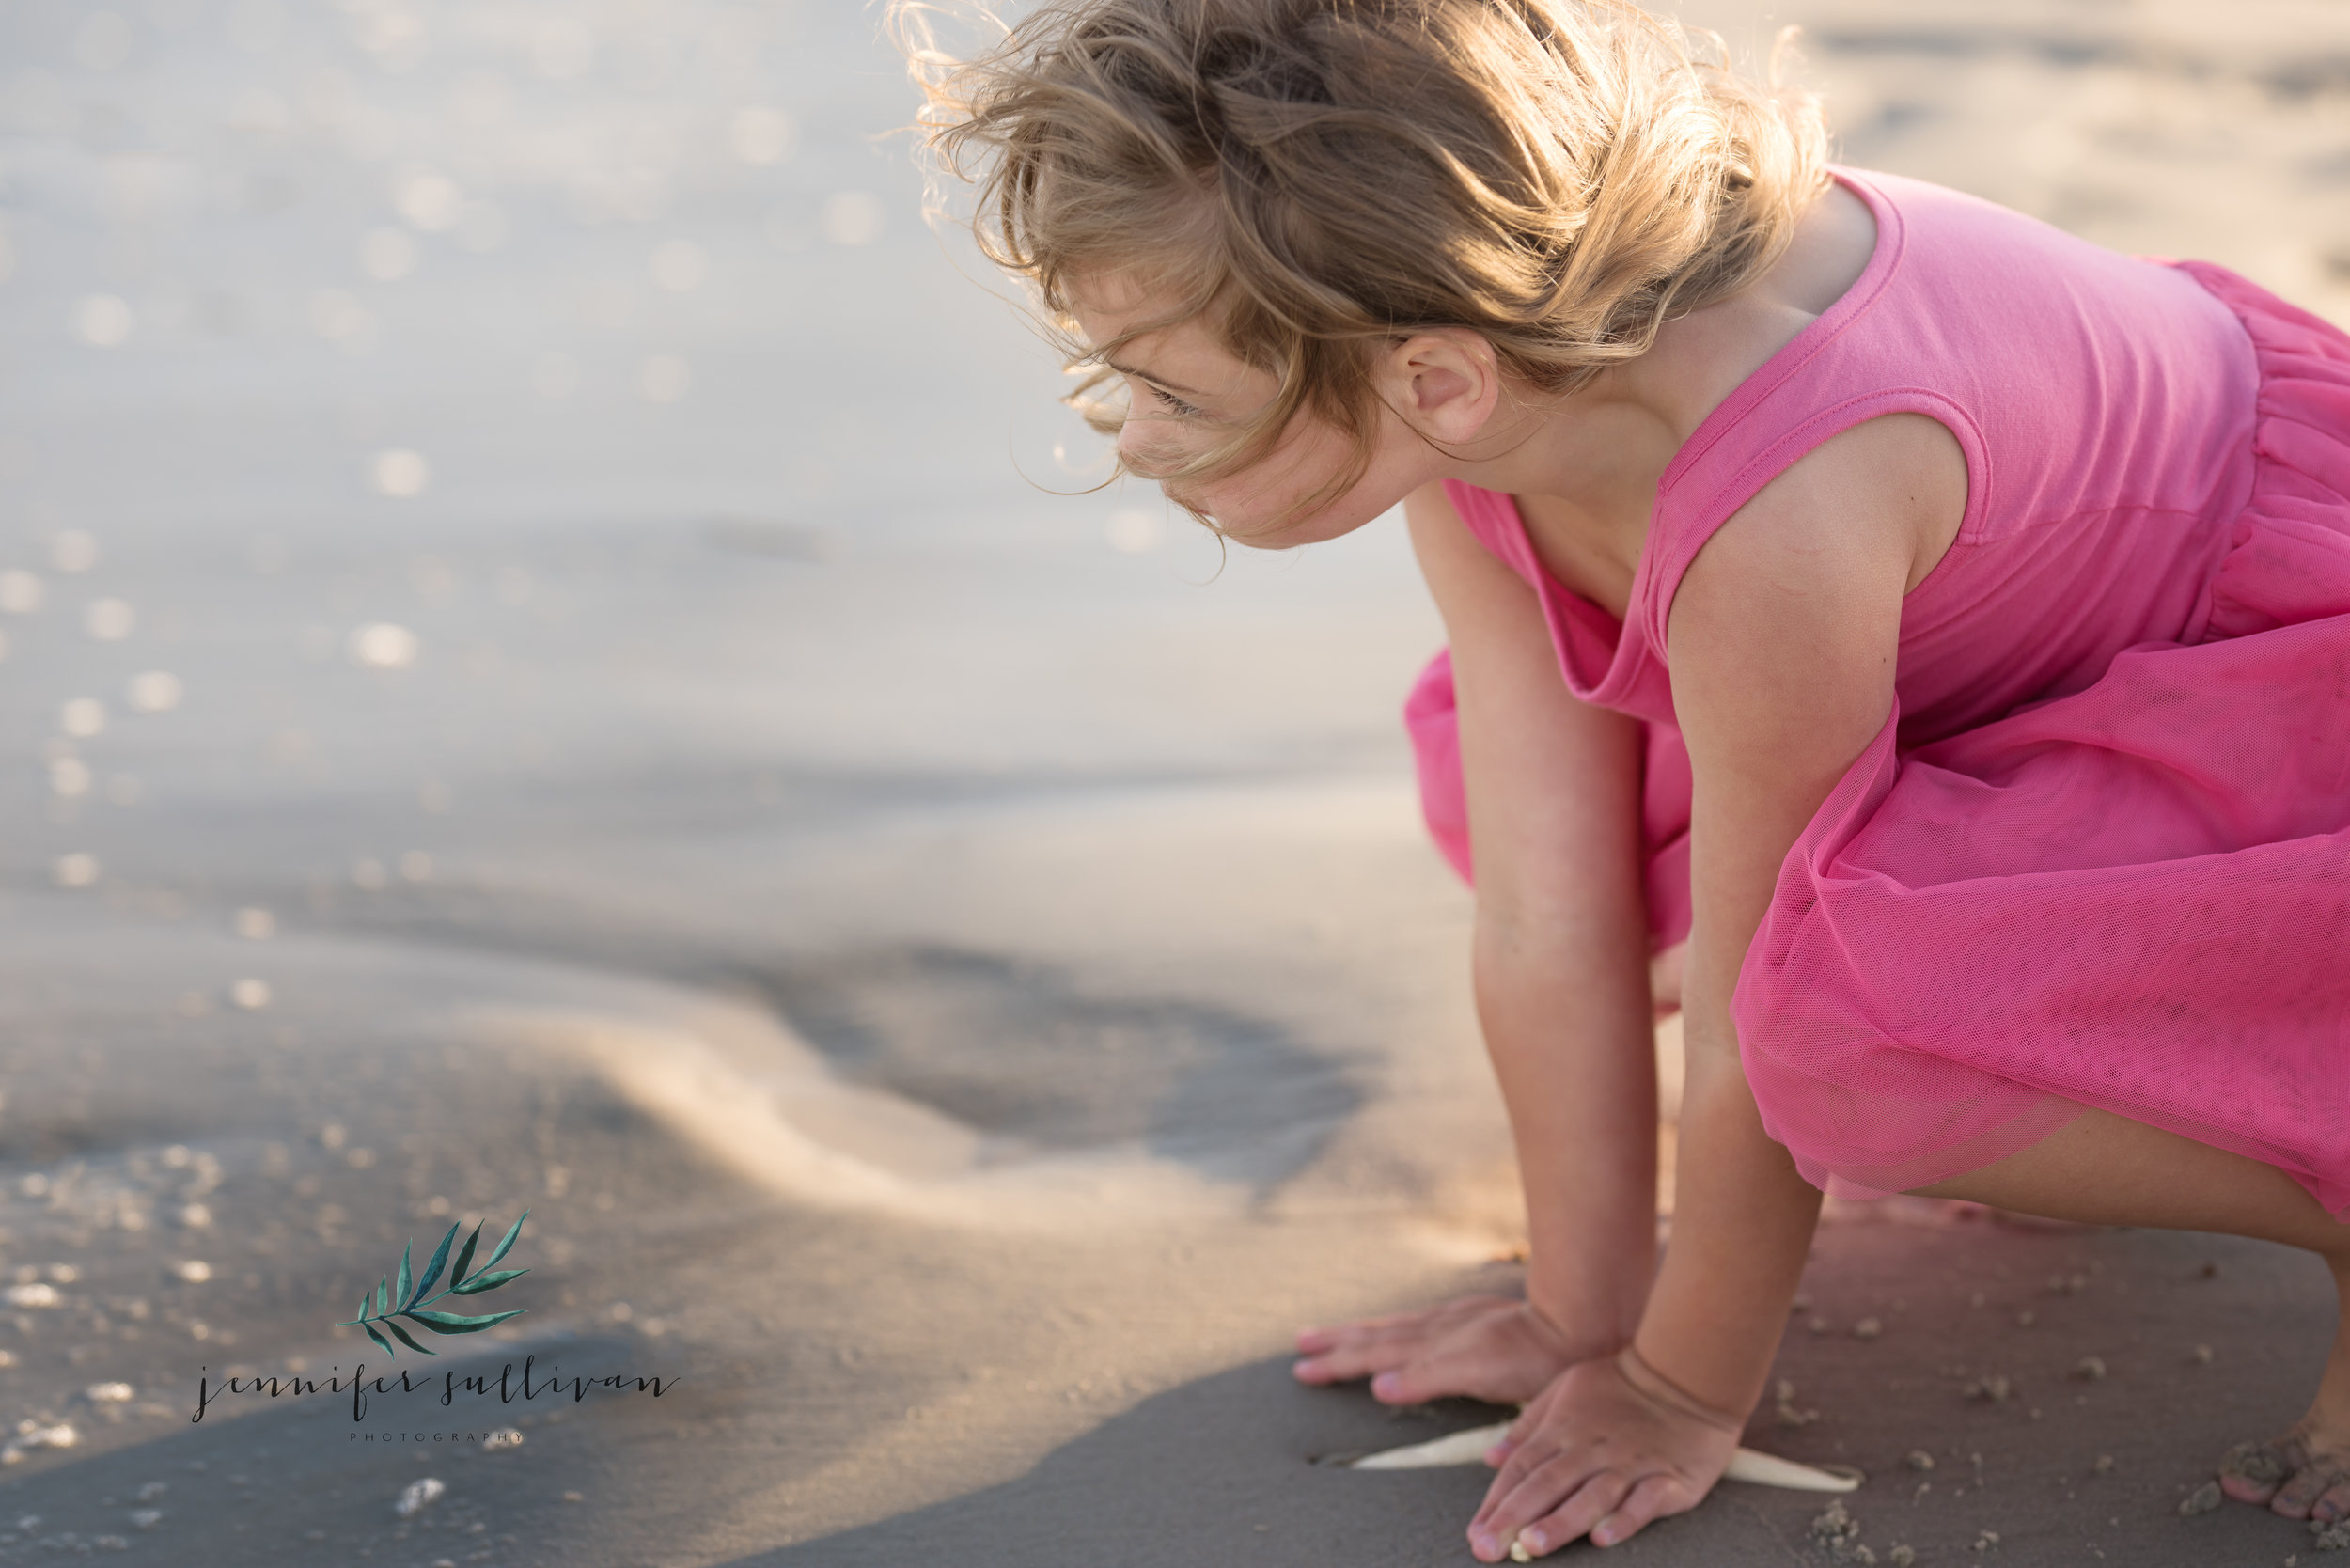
{"x": 534, "y": 679}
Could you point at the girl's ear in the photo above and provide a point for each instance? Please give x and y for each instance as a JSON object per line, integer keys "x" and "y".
{"x": 1445, "y": 383}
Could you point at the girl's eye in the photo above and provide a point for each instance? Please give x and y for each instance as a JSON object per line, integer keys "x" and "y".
{"x": 1174, "y": 404}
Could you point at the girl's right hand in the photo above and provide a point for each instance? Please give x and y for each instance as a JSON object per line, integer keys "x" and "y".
{"x": 1495, "y": 1348}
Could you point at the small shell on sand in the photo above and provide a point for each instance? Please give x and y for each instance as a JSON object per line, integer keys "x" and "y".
{"x": 419, "y": 1496}
{"x": 1867, "y": 1328}
{"x": 2090, "y": 1368}
{"x": 1919, "y": 1460}
{"x": 2204, "y": 1500}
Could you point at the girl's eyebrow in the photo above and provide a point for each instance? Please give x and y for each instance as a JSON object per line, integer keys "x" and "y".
{"x": 1154, "y": 380}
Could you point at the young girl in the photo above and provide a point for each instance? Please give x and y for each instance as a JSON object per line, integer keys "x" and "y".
{"x": 1936, "y": 627}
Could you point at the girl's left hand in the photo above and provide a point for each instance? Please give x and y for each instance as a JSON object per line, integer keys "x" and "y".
{"x": 1599, "y": 1454}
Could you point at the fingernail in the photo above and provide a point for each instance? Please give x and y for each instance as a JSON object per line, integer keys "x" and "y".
{"x": 1534, "y": 1540}
{"x": 1299, "y": 1367}
{"x": 1482, "y": 1541}
{"x": 1603, "y": 1537}
{"x": 1385, "y": 1383}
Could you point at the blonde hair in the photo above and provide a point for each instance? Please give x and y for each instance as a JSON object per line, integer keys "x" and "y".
{"x": 1318, "y": 179}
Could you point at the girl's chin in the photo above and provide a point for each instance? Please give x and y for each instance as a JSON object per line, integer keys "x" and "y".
{"x": 1266, "y": 529}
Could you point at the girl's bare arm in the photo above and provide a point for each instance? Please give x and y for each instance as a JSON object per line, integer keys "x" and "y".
{"x": 1783, "y": 637}
{"x": 1562, "y": 936}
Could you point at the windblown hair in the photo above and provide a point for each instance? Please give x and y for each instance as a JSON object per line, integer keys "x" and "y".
{"x": 1315, "y": 179}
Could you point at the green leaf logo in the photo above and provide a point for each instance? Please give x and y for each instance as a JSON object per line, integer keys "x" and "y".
{"x": 396, "y": 1298}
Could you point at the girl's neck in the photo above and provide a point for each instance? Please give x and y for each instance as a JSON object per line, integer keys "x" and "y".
{"x": 1585, "y": 468}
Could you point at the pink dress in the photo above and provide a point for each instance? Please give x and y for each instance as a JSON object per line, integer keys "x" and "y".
{"x": 2100, "y": 856}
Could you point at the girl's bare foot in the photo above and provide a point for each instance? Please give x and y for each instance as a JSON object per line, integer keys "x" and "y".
{"x": 2304, "y": 1474}
{"x": 1495, "y": 1348}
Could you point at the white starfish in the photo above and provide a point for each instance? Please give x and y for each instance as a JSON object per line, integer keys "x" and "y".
{"x": 1467, "y": 1448}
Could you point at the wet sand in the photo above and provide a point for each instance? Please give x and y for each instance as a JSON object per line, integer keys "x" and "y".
{"x": 955, "y": 980}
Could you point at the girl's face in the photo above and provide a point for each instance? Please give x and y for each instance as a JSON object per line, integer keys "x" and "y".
{"x": 1186, "y": 392}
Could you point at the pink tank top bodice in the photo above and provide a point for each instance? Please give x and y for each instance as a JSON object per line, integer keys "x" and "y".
{"x": 2105, "y": 405}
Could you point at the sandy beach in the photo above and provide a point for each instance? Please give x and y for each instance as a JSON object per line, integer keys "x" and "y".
{"x": 560, "y": 656}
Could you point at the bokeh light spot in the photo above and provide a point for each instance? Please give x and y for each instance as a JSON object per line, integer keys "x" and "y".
{"x": 680, "y": 266}
{"x": 398, "y": 473}
{"x": 429, "y": 199}
{"x": 154, "y": 691}
{"x": 851, "y": 218}
{"x": 663, "y": 378}
{"x": 71, "y": 550}
{"x": 109, "y": 619}
{"x": 341, "y": 319}
{"x": 761, "y": 134}
{"x": 387, "y": 255}
{"x": 103, "y": 321}
{"x": 21, "y": 593}
{"x": 1133, "y": 532}
{"x": 381, "y": 645}
{"x": 82, "y": 718}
